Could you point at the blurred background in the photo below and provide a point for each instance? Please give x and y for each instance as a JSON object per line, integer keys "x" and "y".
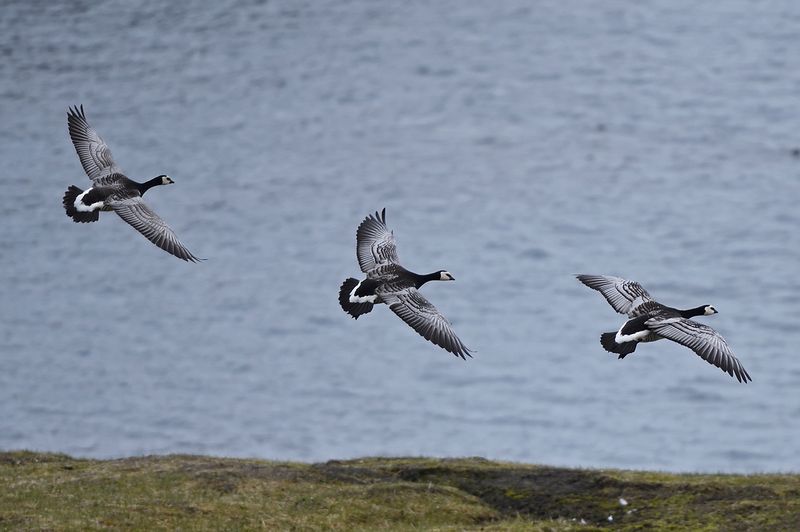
{"x": 512, "y": 143}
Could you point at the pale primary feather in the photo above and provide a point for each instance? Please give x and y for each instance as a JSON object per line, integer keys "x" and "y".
{"x": 624, "y": 296}
{"x": 133, "y": 210}
{"x": 375, "y": 244}
{"x": 93, "y": 152}
{"x": 701, "y": 339}
{"x": 423, "y": 317}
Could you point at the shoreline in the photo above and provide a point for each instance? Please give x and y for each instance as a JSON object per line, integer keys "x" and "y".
{"x": 55, "y": 491}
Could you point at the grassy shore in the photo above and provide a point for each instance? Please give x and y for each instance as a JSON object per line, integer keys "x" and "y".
{"x": 56, "y": 492}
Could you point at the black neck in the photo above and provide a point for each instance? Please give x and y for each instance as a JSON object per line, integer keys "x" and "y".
{"x": 697, "y": 311}
{"x": 147, "y": 185}
{"x": 420, "y": 280}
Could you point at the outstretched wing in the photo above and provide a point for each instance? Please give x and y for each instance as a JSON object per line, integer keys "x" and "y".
{"x": 134, "y": 211}
{"x": 625, "y": 296}
{"x": 703, "y": 340}
{"x": 375, "y": 244}
{"x": 93, "y": 152}
{"x": 423, "y": 317}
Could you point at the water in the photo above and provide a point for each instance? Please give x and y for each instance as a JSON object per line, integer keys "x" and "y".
{"x": 512, "y": 144}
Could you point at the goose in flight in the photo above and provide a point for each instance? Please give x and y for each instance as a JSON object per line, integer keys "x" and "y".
{"x": 388, "y": 282}
{"x": 111, "y": 190}
{"x": 650, "y": 321}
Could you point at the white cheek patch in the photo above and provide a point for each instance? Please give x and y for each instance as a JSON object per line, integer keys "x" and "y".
{"x": 361, "y": 299}
{"x": 82, "y": 207}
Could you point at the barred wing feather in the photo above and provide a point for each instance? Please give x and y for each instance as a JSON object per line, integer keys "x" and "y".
{"x": 423, "y": 317}
{"x": 134, "y": 211}
{"x": 375, "y": 244}
{"x": 704, "y": 341}
{"x": 624, "y": 296}
{"x": 93, "y": 152}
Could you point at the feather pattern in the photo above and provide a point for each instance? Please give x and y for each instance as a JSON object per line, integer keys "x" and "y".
{"x": 701, "y": 339}
{"x": 93, "y": 152}
{"x": 375, "y": 244}
{"x": 626, "y": 297}
{"x": 132, "y": 209}
{"x": 423, "y": 317}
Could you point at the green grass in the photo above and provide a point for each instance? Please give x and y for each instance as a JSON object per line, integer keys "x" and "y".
{"x": 56, "y": 492}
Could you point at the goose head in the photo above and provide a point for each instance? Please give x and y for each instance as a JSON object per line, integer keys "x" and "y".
{"x": 708, "y": 310}
{"x": 444, "y": 275}
{"x": 156, "y": 181}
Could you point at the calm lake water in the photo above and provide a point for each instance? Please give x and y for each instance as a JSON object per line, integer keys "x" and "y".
{"x": 513, "y": 144}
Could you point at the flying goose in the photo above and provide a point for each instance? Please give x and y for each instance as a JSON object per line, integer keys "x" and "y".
{"x": 388, "y": 282}
{"x": 650, "y": 321}
{"x": 111, "y": 190}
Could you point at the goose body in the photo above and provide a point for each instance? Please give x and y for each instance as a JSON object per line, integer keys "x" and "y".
{"x": 112, "y": 190}
{"x": 387, "y": 282}
{"x": 650, "y": 321}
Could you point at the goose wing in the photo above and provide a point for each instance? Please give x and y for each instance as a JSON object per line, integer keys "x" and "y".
{"x": 423, "y": 317}
{"x": 625, "y": 296}
{"x": 93, "y": 151}
{"x": 375, "y": 244}
{"x": 134, "y": 211}
{"x": 703, "y": 340}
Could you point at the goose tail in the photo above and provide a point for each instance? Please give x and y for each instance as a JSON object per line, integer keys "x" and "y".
{"x": 77, "y": 216}
{"x": 609, "y": 343}
{"x": 354, "y": 309}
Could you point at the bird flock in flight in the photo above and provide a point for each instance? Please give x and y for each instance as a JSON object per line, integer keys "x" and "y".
{"x": 386, "y": 280}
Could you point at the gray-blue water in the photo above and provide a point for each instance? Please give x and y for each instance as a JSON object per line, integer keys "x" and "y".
{"x": 513, "y": 143}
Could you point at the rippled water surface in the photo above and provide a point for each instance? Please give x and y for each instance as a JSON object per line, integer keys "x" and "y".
{"x": 512, "y": 143}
